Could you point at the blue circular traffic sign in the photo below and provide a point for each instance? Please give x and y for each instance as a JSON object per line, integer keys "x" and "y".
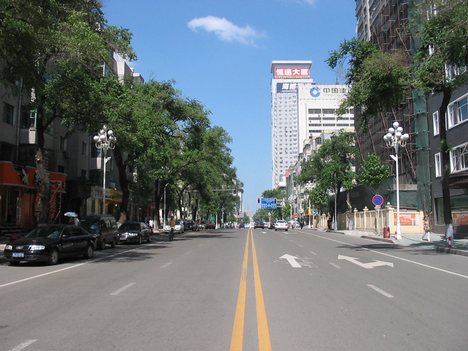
{"x": 378, "y": 200}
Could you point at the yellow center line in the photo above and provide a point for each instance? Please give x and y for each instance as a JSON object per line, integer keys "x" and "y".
{"x": 264, "y": 342}
{"x": 237, "y": 337}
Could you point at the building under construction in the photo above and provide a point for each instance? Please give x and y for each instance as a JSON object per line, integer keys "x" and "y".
{"x": 386, "y": 23}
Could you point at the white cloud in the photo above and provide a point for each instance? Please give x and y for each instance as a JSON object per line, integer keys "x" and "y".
{"x": 225, "y": 30}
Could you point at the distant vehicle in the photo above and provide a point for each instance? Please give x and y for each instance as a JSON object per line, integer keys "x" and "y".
{"x": 281, "y": 225}
{"x": 259, "y": 224}
{"x": 242, "y": 226}
{"x": 210, "y": 225}
{"x": 189, "y": 224}
{"x": 134, "y": 232}
{"x": 49, "y": 243}
{"x": 267, "y": 225}
{"x": 103, "y": 227}
{"x": 178, "y": 228}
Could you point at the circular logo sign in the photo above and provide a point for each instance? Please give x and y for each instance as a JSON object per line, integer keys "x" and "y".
{"x": 378, "y": 200}
{"x": 315, "y": 92}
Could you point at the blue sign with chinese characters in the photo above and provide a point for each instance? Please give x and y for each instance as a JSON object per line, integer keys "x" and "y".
{"x": 268, "y": 202}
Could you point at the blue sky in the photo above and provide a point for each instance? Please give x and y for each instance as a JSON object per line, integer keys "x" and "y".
{"x": 219, "y": 52}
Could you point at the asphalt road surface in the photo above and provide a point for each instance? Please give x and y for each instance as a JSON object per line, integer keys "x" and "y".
{"x": 240, "y": 290}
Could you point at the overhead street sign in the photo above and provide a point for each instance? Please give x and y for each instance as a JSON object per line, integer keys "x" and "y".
{"x": 268, "y": 202}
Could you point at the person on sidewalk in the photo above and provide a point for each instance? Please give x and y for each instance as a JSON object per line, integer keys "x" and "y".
{"x": 427, "y": 227}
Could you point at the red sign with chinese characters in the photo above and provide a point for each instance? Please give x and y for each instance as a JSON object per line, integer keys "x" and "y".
{"x": 292, "y": 73}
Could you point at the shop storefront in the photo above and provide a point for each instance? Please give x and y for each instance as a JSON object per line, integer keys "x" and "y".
{"x": 19, "y": 189}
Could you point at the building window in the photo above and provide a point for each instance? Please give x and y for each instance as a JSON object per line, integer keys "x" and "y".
{"x": 435, "y": 122}
{"x": 458, "y": 111}
{"x": 437, "y": 165}
{"x": 8, "y": 113}
{"x": 459, "y": 158}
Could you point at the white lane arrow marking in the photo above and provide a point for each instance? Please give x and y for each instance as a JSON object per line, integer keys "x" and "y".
{"x": 368, "y": 265}
{"x": 291, "y": 260}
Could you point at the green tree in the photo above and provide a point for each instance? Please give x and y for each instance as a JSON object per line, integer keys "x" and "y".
{"x": 379, "y": 80}
{"x": 330, "y": 168}
{"x": 440, "y": 68}
{"x": 372, "y": 172}
{"x": 57, "y": 49}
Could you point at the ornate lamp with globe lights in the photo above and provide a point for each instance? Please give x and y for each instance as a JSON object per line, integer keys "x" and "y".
{"x": 396, "y": 139}
{"x": 104, "y": 141}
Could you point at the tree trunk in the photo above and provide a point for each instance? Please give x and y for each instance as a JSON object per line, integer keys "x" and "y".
{"x": 445, "y": 158}
{"x": 123, "y": 179}
{"x": 42, "y": 178}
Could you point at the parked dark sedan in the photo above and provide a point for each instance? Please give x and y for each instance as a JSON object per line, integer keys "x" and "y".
{"x": 49, "y": 243}
{"x": 134, "y": 232}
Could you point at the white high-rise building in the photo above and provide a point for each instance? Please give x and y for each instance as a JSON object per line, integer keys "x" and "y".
{"x": 301, "y": 111}
{"x": 284, "y": 114}
{"x": 317, "y": 112}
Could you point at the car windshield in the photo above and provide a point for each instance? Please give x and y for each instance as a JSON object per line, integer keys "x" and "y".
{"x": 45, "y": 232}
{"x": 129, "y": 226}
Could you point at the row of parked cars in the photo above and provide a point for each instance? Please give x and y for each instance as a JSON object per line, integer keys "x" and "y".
{"x": 49, "y": 243}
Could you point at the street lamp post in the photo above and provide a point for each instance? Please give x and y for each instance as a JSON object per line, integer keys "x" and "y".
{"x": 104, "y": 141}
{"x": 395, "y": 138}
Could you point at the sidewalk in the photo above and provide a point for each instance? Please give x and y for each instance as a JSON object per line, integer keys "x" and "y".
{"x": 408, "y": 240}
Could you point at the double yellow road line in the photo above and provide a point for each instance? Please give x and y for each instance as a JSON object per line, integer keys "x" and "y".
{"x": 237, "y": 337}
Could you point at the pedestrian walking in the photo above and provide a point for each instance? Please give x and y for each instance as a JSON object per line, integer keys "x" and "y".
{"x": 450, "y": 237}
{"x": 301, "y": 223}
{"x": 172, "y": 225}
{"x": 427, "y": 226}
{"x": 151, "y": 224}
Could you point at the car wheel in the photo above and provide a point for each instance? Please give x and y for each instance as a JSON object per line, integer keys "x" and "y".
{"x": 113, "y": 243}
{"x": 89, "y": 253}
{"x": 101, "y": 244}
{"x": 53, "y": 257}
{"x": 14, "y": 263}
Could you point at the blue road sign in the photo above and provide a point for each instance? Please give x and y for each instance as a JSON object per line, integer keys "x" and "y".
{"x": 378, "y": 200}
{"x": 268, "y": 202}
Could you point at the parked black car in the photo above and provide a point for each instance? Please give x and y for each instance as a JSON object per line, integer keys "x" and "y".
{"x": 134, "y": 232}
{"x": 49, "y": 243}
{"x": 103, "y": 227}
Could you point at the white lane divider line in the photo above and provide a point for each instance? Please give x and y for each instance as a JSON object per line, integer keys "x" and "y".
{"x": 166, "y": 265}
{"x": 335, "y": 265}
{"x": 118, "y": 291}
{"x": 313, "y": 253}
{"x": 23, "y": 345}
{"x": 380, "y": 291}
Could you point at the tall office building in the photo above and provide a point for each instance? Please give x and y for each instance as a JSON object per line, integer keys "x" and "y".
{"x": 318, "y": 104}
{"x": 301, "y": 111}
{"x": 284, "y": 113}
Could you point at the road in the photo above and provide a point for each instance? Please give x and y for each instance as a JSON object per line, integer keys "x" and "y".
{"x": 240, "y": 290}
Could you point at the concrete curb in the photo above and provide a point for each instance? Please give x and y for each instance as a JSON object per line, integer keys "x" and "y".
{"x": 438, "y": 248}
{"x": 451, "y": 250}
